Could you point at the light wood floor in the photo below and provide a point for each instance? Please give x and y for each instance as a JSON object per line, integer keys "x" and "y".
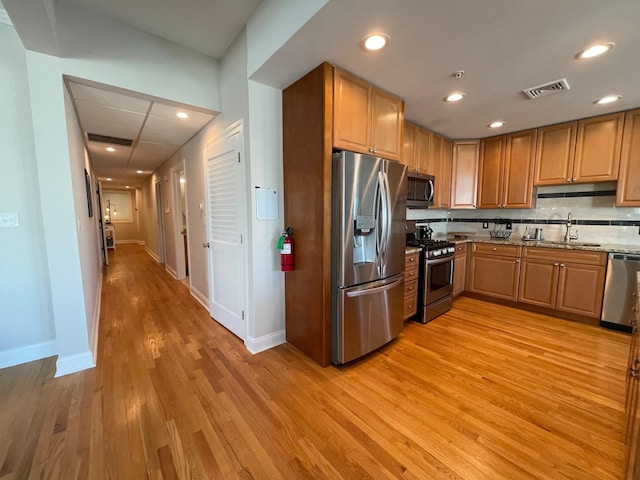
{"x": 483, "y": 392}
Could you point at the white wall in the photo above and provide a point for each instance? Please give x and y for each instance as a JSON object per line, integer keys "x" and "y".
{"x": 89, "y": 247}
{"x": 27, "y": 330}
{"x": 266, "y": 171}
{"x": 113, "y": 53}
{"x": 59, "y": 211}
{"x": 105, "y": 52}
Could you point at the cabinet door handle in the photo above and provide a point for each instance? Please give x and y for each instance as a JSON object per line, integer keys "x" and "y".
{"x": 562, "y": 265}
{"x": 517, "y": 261}
{"x": 494, "y": 249}
{"x": 556, "y": 264}
{"x": 568, "y": 180}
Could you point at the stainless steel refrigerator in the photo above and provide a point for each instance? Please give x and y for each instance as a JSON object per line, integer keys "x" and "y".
{"x": 368, "y": 240}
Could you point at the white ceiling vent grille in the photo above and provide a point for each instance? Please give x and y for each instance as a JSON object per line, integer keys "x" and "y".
{"x": 547, "y": 89}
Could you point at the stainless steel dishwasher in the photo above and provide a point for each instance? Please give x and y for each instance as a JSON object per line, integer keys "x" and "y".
{"x": 620, "y": 291}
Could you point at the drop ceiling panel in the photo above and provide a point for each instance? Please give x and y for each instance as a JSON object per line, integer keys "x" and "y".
{"x": 98, "y": 153}
{"x": 110, "y": 129}
{"x": 170, "y": 112}
{"x": 102, "y": 113}
{"x": 100, "y": 96}
{"x": 146, "y": 164}
{"x": 161, "y": 137}
{"x": 151, "y": 151}
{"x": 159, "y": 124}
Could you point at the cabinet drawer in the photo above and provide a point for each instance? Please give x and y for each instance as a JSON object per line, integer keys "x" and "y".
{"x": 410, "y": 287}
{"x": 410, "y": 305}
{"x": 461, "y": 248}
{"x": 411, "y": 260}
{"x": 495, "y": 249}
{"x": 410, "y": 274}
{"x": 565, "y": 256}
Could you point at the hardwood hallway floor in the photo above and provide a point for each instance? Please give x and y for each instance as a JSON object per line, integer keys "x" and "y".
{"x": 483, "y": 392}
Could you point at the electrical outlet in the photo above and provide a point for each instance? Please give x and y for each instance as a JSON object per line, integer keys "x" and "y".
{"x": 508, "y": 225}
{"x": 485, "y": 224}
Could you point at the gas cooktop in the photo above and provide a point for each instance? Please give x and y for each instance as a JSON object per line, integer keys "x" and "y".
{"x": 433, "y": 248}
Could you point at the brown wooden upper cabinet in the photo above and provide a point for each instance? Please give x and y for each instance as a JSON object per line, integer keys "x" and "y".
{"x": 628, "y": 194}
{"x": 506, "y": 171}
{"x": 464, "y": 174}
{"x": 366, "y": 119}
{"x": 585, "y": 151}
{"x": 443, "y": 175}
{"x": 408, "y": 146}
{"x": 423, "y": 151}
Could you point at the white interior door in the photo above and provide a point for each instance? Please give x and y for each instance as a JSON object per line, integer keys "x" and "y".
{"x": 225, "y": 207}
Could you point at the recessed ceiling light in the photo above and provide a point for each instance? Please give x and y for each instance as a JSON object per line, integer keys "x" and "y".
{"x": 110, "y": 149}
{"x": 182, "y": 115}
{"x": 109, "y": 179}
{"x": 608, "y": 99}
{"x": 375, "y": 41}
{"x": 496, "y": 124}
{"x": 127, "y": 186}
{"x": 139, "y": 171}
{"x": 455, "y": 97}
{"x": 595, "y": 50}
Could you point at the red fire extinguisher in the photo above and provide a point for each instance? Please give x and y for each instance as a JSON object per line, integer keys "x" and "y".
{"x": 285, "y": 245}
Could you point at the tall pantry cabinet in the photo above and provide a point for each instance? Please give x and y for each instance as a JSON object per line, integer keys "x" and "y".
{"x": 324, "y": 109}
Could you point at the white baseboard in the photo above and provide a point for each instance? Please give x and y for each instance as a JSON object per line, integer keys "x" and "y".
{"x": 265, "y": 342}
{"x": 73, "y": 363}
{"x": 124, "y": 242}
{"x": 200, "y": 297}
{"x": 16, "y": 356}
{"x": 93, "y": 338}
{"x": 152, "y": 254}
{"x": 171, "y": 271}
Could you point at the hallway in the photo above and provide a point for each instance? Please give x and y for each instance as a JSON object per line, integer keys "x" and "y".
{"x": 500, "y": 394}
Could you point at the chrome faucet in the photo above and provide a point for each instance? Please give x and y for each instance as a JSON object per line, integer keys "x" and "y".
{"x": 568, "y": 236}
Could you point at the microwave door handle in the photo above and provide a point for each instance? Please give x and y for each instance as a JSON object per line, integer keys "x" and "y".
{"x": 429, "y": 190}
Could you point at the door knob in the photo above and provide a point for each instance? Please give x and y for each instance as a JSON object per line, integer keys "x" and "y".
{"x": 205, "y": 245}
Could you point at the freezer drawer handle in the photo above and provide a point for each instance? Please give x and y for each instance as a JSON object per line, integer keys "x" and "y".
{"x": 371, "y": 291}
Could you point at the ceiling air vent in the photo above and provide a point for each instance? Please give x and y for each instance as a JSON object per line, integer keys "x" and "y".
{"x": 547, "y": 89}
{"x": 94, "y": 137}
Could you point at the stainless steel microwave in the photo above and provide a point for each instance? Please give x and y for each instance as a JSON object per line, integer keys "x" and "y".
{"x": 420, "y": 190}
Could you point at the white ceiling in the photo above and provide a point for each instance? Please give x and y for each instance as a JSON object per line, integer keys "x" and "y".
{"x": 206, "y": 26}
{"x": 503, "y": 46}
{"x": 152, "y": 125}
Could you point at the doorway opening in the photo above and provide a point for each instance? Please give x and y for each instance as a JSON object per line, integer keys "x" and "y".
{"x": 180, "y": 222}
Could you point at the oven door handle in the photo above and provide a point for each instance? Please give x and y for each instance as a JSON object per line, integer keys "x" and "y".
{"x": 438, "y": 261}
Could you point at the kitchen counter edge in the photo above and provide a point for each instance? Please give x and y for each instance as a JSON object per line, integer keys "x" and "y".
{"x": 604, "y": 247}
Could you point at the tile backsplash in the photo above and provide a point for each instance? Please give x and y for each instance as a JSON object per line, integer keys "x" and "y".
{"x": 592, "y": 207}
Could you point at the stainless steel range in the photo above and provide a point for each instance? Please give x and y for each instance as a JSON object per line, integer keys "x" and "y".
{"x": 435, "y": 279}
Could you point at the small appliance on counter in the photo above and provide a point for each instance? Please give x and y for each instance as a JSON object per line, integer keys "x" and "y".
{"x": 435, "y": 275}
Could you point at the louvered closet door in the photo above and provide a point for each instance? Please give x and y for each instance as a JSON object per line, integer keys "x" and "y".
{"x": 225, "y": 233}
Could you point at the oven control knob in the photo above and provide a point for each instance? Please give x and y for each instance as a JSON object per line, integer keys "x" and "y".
{"x": 451, "y": 249}
{"x": 437, "y": 253}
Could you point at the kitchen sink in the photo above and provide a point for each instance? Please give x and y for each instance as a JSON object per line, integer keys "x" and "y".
{"x": 575, "y": 244}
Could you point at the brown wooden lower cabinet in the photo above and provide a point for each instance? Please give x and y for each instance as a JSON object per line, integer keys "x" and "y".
{"x": 411, "y": 262}
{"x": 494, "y": 275}
{"x": 538, "y": 282}
{"x": 632, "y": 434}
{"x": 565, "y": 280}
{"x": 459, "y": 269}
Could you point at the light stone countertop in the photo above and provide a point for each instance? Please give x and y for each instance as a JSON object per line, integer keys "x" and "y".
{"x": 604, "y": 247}
{"x": 408, "y": 250}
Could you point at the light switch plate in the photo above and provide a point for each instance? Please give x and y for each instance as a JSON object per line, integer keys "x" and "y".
{"x": 9, "y": 220}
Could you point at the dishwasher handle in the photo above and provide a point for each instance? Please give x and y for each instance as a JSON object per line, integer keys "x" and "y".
{"x": 624, "y": 256}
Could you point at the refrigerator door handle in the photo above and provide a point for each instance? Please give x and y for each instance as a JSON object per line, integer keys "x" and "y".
{"x": 373, "y": 290}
